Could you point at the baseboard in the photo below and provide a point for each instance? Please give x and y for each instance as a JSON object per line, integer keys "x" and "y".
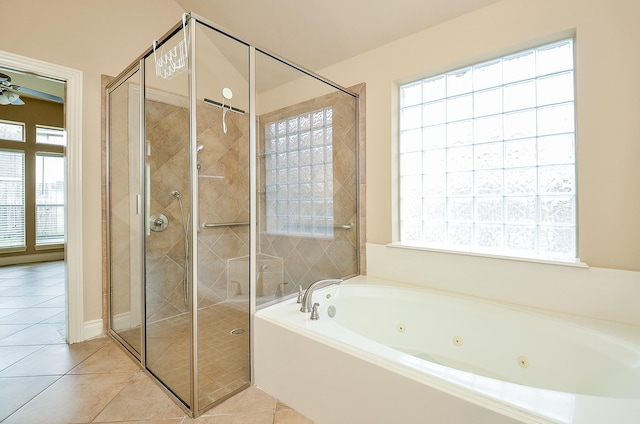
{"x": 93, "y": 329}
{"x": 121, "y": 321}
{"x": 36, "y": 257}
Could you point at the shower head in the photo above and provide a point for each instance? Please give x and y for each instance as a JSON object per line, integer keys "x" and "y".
{"x": 176, "y": 194}
{"x": 199, "y": 147}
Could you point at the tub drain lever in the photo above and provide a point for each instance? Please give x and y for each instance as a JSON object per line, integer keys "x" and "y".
{"x": 314, "y": 312}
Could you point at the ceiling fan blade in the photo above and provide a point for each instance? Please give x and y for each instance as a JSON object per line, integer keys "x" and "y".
{"x": 37, "y": 93}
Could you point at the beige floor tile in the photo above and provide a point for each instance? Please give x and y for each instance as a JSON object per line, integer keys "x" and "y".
{"x": 54, "y": 359}
{"x": 289, "y": 416}
{"x": 250, "y": 400}
{"x": 4, "y": 312}
{"x": 9, "y": 355}
{"x": 280, "y": 405}
{"x": 250, "y": 418}
{"x": 36, "y": 334}
{"x": 30, "y": 315}
{"x": 71, "y": 399}
{"x": 167, "y": 421}
{"x": 7, "y": 330}
{"x": 108, "y": 359}
{"x": 140, "y": 399}
{"x": 15, "y": 392}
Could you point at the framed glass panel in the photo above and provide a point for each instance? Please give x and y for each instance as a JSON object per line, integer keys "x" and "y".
{"x": 49, "y": 199}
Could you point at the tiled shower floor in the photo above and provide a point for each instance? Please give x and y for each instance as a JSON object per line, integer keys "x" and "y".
{"x": 45, "y": 380}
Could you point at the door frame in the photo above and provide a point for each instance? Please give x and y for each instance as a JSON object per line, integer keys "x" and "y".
{"x": 73, "y": 211}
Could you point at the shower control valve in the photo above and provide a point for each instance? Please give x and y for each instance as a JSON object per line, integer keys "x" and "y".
{"x": 158, "y": 223}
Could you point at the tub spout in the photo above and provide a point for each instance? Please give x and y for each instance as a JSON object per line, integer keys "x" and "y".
{"x": 307, "y": 299}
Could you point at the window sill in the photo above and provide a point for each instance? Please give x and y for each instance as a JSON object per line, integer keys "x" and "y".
{"x": 13, "y": 249}
{"x": 576, "y": 264}
{"x": 49, "y": 246}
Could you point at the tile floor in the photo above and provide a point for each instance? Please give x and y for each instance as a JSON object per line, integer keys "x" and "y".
{"x": 45, "y": 380}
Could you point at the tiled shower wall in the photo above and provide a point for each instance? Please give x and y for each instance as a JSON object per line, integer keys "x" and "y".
{"x": 223, "y": 198}
{"x": 307, "y": 259}
{"x": 167, "y": 159}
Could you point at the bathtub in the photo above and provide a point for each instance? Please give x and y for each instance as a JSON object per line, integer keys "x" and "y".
{"x": 383, "y": 353}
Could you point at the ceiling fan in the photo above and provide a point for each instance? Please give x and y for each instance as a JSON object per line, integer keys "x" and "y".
{"x": 10, "y": 93}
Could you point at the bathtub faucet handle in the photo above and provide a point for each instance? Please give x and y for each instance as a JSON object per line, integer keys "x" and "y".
{"x": 299, "y": 294}
{"x": 314, "y": 312}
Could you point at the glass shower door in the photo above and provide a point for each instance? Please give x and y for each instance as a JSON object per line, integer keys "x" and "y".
{"x": 125, "y": 234}
{"x": 223, "y": 284}
{"x": 167, "y": 258}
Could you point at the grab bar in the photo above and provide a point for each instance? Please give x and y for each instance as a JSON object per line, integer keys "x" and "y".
{"x": 223, "y": 224}
{"x": 233, "y": 224}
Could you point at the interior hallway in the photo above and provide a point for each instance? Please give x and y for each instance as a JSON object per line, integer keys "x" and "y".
{"x": 44, "y": 380}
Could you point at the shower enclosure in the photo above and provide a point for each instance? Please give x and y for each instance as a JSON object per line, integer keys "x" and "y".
{"x": 232, "y": 182}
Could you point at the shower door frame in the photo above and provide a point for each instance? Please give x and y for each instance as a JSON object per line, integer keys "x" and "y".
{"x": 137, "y": 66}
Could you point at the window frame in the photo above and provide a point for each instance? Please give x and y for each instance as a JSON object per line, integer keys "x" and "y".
{"x": 474, "y": 249}
{"x": 20, "y": 124}
{"x": 50, "y": 128}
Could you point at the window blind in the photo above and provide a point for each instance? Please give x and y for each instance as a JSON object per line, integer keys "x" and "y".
{"x": 12, "y": 228}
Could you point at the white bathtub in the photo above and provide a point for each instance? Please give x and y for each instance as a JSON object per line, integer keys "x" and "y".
{"x": 404, "y": 355}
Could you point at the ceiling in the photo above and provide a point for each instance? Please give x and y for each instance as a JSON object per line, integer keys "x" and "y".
{"x": 317, "y": 34}
{"x": 311, "y": 34}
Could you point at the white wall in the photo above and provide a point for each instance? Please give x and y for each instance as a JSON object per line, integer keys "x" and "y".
{"x": 608, "y": 147}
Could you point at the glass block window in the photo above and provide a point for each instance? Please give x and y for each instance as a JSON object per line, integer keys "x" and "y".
{"x": 487, "y": 157}
{"x": 49, "y": 135}
{"x": 299, "y": 174}
{"x": 12, "y": 229}
{"x": 12, "y": 131}
{"x": 49, "y": 199}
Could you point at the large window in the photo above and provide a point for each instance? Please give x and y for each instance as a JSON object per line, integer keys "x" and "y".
{"x": 487, "y": 157}
{"x": 32, "y": 187}
{"x": 299, "y": 174}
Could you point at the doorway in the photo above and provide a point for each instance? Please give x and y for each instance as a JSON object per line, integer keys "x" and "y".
{"x": 73, "y": 255}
